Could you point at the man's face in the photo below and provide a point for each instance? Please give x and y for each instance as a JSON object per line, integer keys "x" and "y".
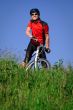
{"x": 34, "y": 16}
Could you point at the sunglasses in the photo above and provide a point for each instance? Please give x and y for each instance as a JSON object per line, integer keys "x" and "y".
{"x": 34, "y": 14}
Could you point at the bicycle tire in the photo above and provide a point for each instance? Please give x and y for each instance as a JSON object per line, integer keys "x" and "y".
{"x": 32, "y": 66}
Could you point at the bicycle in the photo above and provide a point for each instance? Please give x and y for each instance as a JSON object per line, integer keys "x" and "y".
{"x": 38, "y": 63}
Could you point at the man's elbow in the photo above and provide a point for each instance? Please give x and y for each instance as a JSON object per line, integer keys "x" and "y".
{"x": 26, "y": 32}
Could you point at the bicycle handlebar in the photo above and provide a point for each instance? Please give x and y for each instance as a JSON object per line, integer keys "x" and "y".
{"x": 41, "y": 46}
{"x": 44, "y": 48}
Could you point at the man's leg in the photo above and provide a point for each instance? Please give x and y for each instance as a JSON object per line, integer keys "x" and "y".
{"x": 30, "y": 49}
{"x": 43, "y": 55}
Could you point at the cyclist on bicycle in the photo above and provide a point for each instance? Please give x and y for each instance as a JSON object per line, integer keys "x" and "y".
{"x": 40, "y": 33}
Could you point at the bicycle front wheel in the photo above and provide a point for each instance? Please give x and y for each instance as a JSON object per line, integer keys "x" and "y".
{"x": 41, "y": 63}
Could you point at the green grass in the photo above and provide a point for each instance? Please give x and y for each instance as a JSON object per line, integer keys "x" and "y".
{"x": 39, "y": 90}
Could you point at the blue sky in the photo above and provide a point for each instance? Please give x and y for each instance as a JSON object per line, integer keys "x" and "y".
{"x": 14, "y": 17}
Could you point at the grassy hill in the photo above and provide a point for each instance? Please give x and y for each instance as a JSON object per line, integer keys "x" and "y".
{"x": 39, "y": 90}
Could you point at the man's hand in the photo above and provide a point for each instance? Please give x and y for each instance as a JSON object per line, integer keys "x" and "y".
{"x": 34, "y": 39}
{"x": 48, "y": 50}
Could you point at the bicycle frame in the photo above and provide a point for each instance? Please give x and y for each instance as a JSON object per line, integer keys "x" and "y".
{"x": 37, "y": 60}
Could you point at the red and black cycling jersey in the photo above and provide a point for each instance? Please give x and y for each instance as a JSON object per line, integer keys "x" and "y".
{"x": 39, "y": 28}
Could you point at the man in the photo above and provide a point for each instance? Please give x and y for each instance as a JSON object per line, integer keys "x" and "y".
{"x": 40, "y": 33}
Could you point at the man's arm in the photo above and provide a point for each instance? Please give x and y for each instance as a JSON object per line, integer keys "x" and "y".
{"x": 47, "y": 41}
{"x": 28, "y": 32}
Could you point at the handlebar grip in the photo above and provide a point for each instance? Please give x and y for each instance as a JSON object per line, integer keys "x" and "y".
{"x": 47, "y": 50}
